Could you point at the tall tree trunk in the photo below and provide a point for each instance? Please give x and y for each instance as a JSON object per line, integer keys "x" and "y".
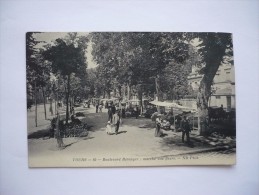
{"x": 104, "y": 93}
{"x": 124, "y": 91}
{"x": 67, "y": 98}
{"x": 59, "y": 138}
{"x": 56, "y": 99}
{"x": 73, "y": 104}
{"x": 108, "y": 94}
{"x": 204, "y": 93}
{"x": 202, "y": 105}
{"x": 44, "y": 102}
{"x": 128, "y": 91}
{"x": 70, "y": 104}
{"x": 35, "y": 99}
{"x": 119, "y": 90}
{"x": 158, "y": 91}
{"x": 50, "y": 106}
{"x": 215, "y": 51}
{"x": 114, "y": 92}
{"x": 140, "y": 96}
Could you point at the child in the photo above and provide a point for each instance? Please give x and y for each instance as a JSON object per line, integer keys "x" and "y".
{"x": 109, "y": 128}
{"x": 100, "y": 107}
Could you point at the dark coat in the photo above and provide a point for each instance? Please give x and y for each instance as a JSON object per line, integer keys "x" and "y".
{"x": 109, "y": 111}
{"x": 113, "y": 109}
{"x": 185, "y": 125}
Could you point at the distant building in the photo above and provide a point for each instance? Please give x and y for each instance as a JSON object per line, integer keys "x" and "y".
{"x": 194, "y": 79}
{"x": 223, "y": 88}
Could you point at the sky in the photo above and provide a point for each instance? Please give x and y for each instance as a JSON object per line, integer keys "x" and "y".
{"x": 50, "y": 37}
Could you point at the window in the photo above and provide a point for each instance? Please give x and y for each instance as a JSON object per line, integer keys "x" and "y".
{"x": 217, "y": 97}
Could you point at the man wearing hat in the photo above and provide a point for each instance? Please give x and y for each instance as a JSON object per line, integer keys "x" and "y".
{"x": 185, "y": 129}
{"x": 116, "y": 121}
{"x": 158, "y": 131}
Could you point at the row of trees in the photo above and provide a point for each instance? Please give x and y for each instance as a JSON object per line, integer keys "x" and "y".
{"x": 128, "y": 63}
{"x": 142, "y": 63}
{"x": 159, "y": 63}
{"x": 57, "y": 69}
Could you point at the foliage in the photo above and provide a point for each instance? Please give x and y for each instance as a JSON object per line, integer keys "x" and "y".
{"x": 67, "y": 58}
{"x": 136, "y": 58}
{"x": 37, "y": 71}
{"x": 214, "y": 48}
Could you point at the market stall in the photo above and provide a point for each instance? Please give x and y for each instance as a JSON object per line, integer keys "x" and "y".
{"x": 177, "y": 109}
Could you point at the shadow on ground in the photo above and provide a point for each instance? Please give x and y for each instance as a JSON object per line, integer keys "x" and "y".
{"x": 175, "y": 142}
{"x": 68, "y": 145}
{"x": 55, "y": 148}
{"x": 39, "y": 134}
{"x": 142, "y": 123}
{"x": 122, "y": 132}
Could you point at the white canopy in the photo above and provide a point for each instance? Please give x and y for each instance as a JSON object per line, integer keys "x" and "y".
{"x": 172, "y": 105}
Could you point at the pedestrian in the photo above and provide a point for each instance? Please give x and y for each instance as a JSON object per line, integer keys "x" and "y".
{"x": 109, "y": 128}
{"x": 123, "y": 111}
{"x": 113, "y": 109}
{"x": 72, "y": 110}
{"x": 158, "y": 131}
{"x": 97, "y": 106}
{"x": 116, "y": 122}
{"x": 109, "y": 114}
{"x": 136, "y": 109}
{"x": 89, "y": 102}
{"x": 100, "y": 107}
{"x": 185, "y": 126}
{"x": 178, "y": 122}
{"x": 117, "y": 106}
{"x": 58, "y": 132}
{"x": 120, "y": 116}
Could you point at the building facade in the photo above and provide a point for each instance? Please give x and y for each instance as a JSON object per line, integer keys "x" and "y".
{"x": 223, "y": 88}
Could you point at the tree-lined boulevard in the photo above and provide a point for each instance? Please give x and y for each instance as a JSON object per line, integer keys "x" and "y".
{"x": 133, "y": 141}
{"x": 69, "y": 104}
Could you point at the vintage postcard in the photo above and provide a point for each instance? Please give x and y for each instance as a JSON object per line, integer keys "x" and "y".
{"x": 115, "y": 99}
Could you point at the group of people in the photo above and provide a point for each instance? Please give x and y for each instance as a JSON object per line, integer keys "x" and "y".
{"x": 184, "y": 126}
{"x": 114, "y": 119}
{"x": 99, "y": 107}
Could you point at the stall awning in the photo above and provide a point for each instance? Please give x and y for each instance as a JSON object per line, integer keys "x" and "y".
{"x": 173, "y": 105}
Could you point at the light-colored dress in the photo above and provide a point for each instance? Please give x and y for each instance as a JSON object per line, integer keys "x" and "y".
{"x": 109, "y": 129}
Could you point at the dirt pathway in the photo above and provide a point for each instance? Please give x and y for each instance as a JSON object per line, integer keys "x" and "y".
{"x": 131, "y": 142}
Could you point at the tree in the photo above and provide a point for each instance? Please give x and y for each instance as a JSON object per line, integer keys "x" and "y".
{"x": 133, "y": 58}
{"x": 213, "y": 48}
{"x": 67, "y": 58}
{"x": 30, "y": 70}
{"x": 174, "y": 80}
{"x": 37, "y": 72}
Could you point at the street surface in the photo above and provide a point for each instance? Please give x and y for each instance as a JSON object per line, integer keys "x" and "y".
{"x": 135, "y": 140}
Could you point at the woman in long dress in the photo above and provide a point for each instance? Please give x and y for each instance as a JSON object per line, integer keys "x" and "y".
{"x": 109, "y": 128}
{"x": 158, "y": 131}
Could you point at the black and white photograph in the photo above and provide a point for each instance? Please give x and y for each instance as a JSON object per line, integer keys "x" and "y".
{"x": 112, "y": 99}
{"x": 129, "y": 97}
